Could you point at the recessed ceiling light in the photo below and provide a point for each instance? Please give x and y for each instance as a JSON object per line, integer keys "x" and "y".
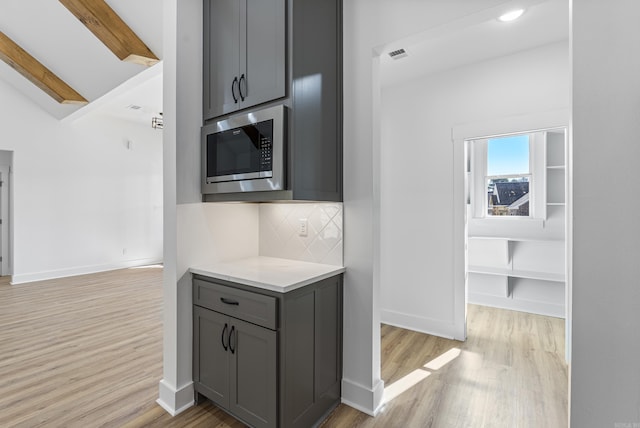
{"x": 511, "y": 15}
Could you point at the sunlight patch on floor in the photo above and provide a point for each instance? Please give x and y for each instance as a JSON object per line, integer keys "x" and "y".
{"x": 147, "y": 267}
{"x": 415, "y": 377}
{"x": 404, "y": 384}
{"x": 444, "y": 359}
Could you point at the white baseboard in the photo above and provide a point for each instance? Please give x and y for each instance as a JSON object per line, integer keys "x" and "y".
{"x": 361, "y": 398}
{"x": 80, "y": 270}
{"x": 173, "y": 400}
{"x": 419, "y": 324}
{"x": 530, "y": 306}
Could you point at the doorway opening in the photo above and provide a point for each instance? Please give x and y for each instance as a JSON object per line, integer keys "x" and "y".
{"x": 516, "y": 222}
{"x": 6, "y": 161}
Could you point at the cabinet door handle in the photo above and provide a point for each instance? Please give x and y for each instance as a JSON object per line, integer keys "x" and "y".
{"x": 231, "y": 336}
{"x": 229, "y": 301}
{"x": 222, "y": 338}
{"x": 242, "y": 78}
{"x": 233, "y": 89}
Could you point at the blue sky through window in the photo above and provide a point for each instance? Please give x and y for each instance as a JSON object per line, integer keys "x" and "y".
{"x": 508, "y": 155}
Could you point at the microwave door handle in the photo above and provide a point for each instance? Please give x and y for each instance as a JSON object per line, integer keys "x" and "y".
{"x": 233, "y": 89}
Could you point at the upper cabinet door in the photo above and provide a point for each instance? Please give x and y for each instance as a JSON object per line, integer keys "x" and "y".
{"x": 221, "y": 56}
{"x": 262, "y": 67}
{"x": 244, "y": 54}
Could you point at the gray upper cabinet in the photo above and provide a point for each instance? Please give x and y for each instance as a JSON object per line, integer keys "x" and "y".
{"x": 312, "y": 91}
{"x": 244, "y": 54}
{"x": 316, "y": 125}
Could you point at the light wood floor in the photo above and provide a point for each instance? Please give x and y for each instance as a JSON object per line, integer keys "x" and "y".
{"x": 509, "y": 373}
{"x": 87, "y": 352}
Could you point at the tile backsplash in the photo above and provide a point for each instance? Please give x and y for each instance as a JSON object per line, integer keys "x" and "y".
{"x": 279, "y": 227}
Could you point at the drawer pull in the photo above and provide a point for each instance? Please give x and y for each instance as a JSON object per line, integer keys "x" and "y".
{"x": 229, "y": 301}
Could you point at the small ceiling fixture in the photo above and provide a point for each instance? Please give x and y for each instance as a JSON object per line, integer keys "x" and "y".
{"x": 398, "y": 53}
{"x": 511, "y": 15}
{"x": 157, "y": 122}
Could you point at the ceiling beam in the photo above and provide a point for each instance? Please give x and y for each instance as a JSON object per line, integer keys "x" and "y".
{"x": 38, "y": 74}
{"x": 107, "y": 26}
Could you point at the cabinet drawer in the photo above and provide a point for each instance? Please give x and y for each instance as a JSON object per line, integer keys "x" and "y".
{"x": 245, "y": 305}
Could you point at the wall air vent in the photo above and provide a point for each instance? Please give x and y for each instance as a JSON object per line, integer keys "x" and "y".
{"x": 398, "y": 53}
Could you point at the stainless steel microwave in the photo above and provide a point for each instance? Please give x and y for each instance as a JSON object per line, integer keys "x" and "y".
{"x": 245, "y": 152}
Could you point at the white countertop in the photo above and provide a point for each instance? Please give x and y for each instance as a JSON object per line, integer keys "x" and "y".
{"x": 269, "y": 273}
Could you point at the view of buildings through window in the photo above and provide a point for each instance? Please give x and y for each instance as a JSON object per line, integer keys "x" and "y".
{"x": 508, "y": 176}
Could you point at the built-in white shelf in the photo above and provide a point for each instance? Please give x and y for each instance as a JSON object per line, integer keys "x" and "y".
{"x": 516, "y": 239}
{"x": 544, "y": 276}
{"x": 555, "y": 185}
{"x": 555, "y": 166}
{"x": 556, "y": 204}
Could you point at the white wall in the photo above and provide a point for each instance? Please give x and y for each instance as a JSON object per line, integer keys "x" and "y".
{"x": 605, "y": 370}
{"x": 194, "y": 233}
{"x": 417, "y": 183}
{"x": 82, "y": 201}
{"x": 362, "y": 387}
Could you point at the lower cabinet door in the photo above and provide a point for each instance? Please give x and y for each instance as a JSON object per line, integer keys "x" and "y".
{"x": 253, "y": 367}
{"x": 211, "y": 359}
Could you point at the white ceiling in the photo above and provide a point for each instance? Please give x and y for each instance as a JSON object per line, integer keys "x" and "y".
{"x": 473, "y": 37}
{"x": 437, "y": 34}
{"x": 54, "y": 36}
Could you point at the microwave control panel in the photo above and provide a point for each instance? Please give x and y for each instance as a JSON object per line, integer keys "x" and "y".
{"x": 266, "y": 153}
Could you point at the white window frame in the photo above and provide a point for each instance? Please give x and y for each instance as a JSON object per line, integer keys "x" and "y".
{"x": 479, "y": 177}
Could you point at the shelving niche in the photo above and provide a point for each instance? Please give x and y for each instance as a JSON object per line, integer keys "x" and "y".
{"x": 526, "y": 275}
{"x": 555, "y": 168}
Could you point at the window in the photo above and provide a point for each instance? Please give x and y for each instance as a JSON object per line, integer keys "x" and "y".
{"x": 508, "y": 178}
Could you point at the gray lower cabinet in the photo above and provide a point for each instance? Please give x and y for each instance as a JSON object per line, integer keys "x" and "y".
{"x": 238, "y": 371}
{"x": 270, "y": 359}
